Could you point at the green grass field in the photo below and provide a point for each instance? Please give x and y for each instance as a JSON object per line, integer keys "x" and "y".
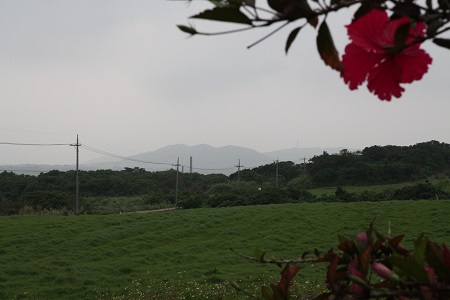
{"x": 88, "y": 257}
{"x": 444, "y": 183}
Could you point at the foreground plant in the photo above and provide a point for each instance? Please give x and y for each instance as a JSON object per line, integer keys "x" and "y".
{"x": 372, "y": 266}
{"x": 385, "y": 35}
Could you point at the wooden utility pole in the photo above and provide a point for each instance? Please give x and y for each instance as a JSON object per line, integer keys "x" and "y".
{"x": 176, "y": 182}
{"x": 77, "y": 182}
{"x": 239, "y": 170}
{"x": 276, "y": 175}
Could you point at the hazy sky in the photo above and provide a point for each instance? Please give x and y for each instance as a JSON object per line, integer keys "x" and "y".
{"x": 122, "y": 76}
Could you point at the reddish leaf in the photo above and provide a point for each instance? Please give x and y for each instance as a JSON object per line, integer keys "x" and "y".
{"x": 446, "y": 256}
{"x": 313, "y": 21}
{"x": 347, "y": 246}
{"x": 325, "y": 46}
{"x": 286, "y": 277}
{"x": 395, "y": 244}
{"x": 364, "y": 260}
{"x": 331, "y": 274}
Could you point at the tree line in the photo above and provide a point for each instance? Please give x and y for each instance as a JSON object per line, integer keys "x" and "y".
{"x": 279, "y": 182}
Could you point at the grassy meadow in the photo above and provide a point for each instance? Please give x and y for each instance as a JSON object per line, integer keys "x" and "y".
{"x": 185, "y": 253}
{"x": 443, "y": 183}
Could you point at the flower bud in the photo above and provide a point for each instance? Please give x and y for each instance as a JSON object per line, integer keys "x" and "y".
{"x": 384, "y": 272}
{"x": 362, "y": 238}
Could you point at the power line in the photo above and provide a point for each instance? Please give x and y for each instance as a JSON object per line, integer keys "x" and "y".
{"x": 32, "y": 144}
{"x": 27, "y": 171}
{"x": 38, "y": 132}
{"x": 92, "y": 149}
{"x": 207, "y": 169}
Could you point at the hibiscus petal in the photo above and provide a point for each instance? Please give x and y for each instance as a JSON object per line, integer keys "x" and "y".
{"x": 367, "y": 31}
{"x": 384, "y": 80}
{"x": 357, "y": 63}
{"x": 414, "y": 64}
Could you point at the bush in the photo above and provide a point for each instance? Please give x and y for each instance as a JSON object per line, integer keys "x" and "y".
{"x": 371, "y": 267}
{"x": 420, "y": 191}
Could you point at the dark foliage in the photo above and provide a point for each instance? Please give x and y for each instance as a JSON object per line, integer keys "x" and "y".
{"x": 258, "y": 186}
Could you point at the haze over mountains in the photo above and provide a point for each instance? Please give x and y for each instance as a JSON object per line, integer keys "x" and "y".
{"x": 205, "y": 159}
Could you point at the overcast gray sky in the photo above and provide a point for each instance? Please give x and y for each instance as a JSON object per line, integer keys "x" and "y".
{"x": 122, "y": 76}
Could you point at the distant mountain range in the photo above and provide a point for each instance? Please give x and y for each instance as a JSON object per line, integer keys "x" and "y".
{"x": 205, "y": 159}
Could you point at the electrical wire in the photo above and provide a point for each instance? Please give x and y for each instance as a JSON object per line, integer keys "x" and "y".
{"x": 207, "y": 169}
{"x": 23, "y": 171}
{"x": 38, "y": 132}
{"x": 92, "y": 149}
{"x": 33, "y": 144}
{"x": 102, "y": 152}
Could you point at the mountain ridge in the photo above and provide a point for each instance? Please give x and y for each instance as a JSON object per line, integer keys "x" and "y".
{"x": 206, "y": 159}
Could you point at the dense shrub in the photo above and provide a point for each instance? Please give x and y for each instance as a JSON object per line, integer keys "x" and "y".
{"x": 423, "y": 191}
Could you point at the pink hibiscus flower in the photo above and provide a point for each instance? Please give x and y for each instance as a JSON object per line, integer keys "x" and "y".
{"x": 369, "y": 56}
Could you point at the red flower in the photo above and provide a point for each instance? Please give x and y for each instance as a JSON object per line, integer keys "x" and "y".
{"x": 369, "y": 56}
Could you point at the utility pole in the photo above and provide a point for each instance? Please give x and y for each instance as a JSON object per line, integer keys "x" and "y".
{"x": 176, "y": 183}
{"x": 190, "y": 165}
{"x": 77, "y": 182}
{"x": 277, "y": 173}
{"x": 239, "y": 170}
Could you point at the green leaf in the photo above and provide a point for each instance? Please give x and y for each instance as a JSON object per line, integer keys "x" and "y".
{"x": 442, "y": 42}
{"x": 443, "y": 4}
{"x": 419, "y": 250}
{"x": 326, "y": 48}
{"x": 224, "y": 14}
{"x": 276, "y": 5}
{"x": 259, "y": 255}
{"x": 316, "y": 252}
{"x": 266, "y": 292}
{"x": 434, "y": 26}
{"x": 250, "y": 3}
{"x": 359, "y": 281}
{"x": 230, "y": 3}
{"x": 291, "y": 38}
{"x": 400, "y": 37}
{"x": 409, "y": 268}
{"x": 187, "y": 29}
{"x": 365, "y": 7}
